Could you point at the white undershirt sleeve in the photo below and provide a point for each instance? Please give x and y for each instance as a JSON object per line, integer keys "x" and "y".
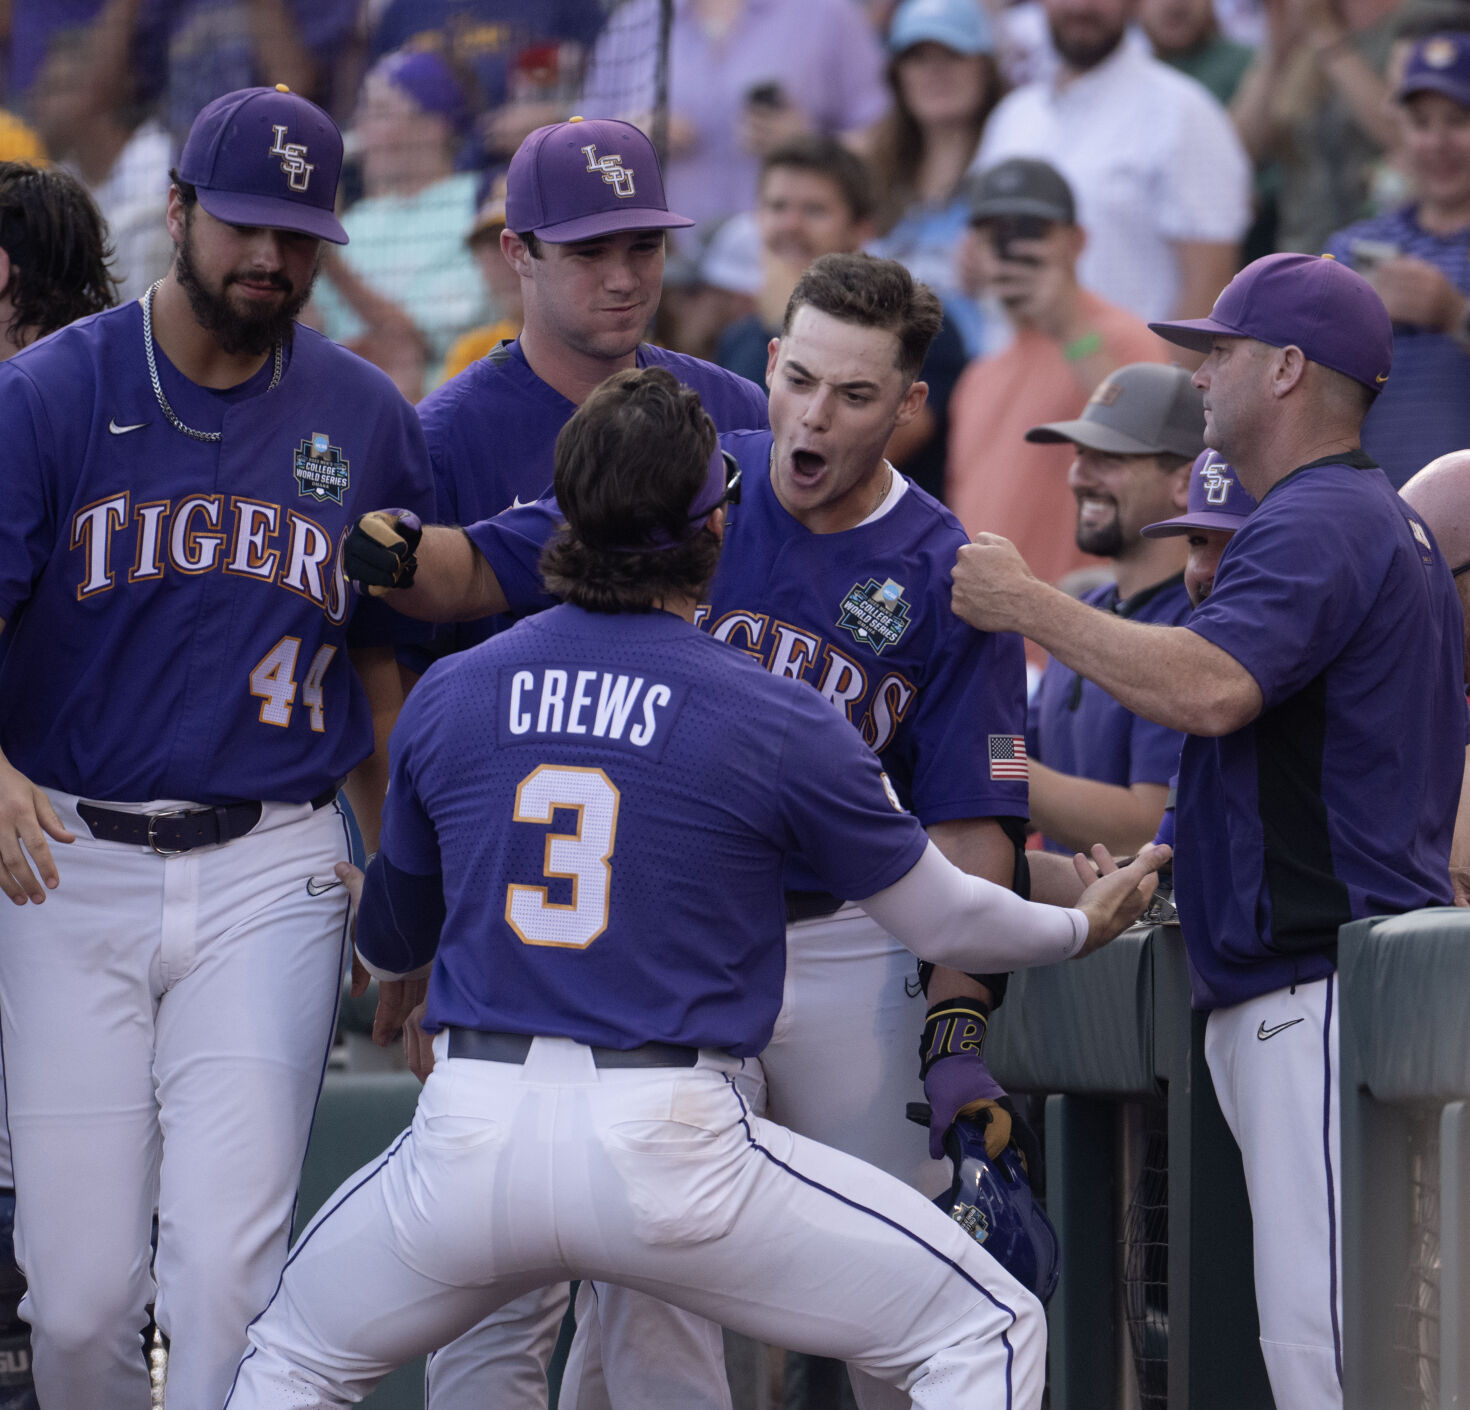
{"x": 949, "y": 917}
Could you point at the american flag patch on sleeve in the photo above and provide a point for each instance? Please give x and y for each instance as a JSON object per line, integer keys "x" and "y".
{"x": 1008, "y": 756}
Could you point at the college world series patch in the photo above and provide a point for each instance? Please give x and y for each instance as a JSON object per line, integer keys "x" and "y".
{"x": 875, "y": 613}
{"x": 321, "y": 470}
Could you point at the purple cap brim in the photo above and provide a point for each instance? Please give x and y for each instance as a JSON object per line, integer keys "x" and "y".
{"x": 272, "y": 213}
{"x": 1446, "y": 83}
{"x": 1195, "y": 333}
{"x": 1170, "y": 528}
{"x": 589, "y": 227}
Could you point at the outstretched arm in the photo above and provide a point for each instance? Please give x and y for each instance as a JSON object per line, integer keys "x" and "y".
{"x": 1170, "y": 675}
{"x": 434, "y": 574}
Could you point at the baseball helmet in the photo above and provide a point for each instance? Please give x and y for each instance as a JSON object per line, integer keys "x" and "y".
{"x": 992, "y": 1202}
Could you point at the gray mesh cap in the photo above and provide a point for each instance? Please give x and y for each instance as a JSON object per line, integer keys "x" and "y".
{"x": 1146, "y": 408}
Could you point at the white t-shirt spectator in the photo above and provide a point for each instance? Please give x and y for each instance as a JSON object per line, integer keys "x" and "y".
{"x": 1151, "y": 158}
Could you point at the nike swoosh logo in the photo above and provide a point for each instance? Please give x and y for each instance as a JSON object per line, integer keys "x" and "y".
{"x": 1380, "y": 377}
{"x": 519, "y": 503}
{"x": 315, "y": 888}
{"x": 1263, "y": 1032}
{"x": 123, "y": 430}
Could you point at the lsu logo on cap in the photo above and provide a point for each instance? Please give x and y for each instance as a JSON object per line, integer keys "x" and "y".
{"x": 1440, "y": 53}
{"x": 618, "y": 176}
{"x": 293, "y": 159}
{"x": 1217, "y": 484}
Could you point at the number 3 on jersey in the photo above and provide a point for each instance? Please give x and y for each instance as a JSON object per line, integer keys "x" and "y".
{"x": 274, "y": 681}
{"x": 580, "y": 857}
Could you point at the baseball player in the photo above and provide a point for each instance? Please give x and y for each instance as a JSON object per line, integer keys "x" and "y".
{"x": 177, "y": 708}
{"x": 595, "y": 1010}
{"x": 585, "y": 227}
{"x": 53, "y": 269}
{"x": 834, "y": 575}
{"x": 1321, "y": 685}
{"x": 1096, "y": 768}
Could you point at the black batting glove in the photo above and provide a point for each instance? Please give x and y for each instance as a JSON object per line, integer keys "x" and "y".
{"x": 379, "y": 552}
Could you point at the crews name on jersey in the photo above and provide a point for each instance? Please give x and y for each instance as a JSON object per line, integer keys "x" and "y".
{"x": 265, "y": 541}
{"x": 802, "y": 655}
{"x": 546, "y": 701}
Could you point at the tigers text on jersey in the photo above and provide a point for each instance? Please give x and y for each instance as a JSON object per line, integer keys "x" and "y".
{"x": 149, "y": 576}
{"x": 491, "y": 433}
{"x": 547, "y": 758}
{"x": 863, "y": 616}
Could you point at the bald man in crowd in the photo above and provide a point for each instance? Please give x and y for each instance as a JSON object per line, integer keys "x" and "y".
{"x": 1440, "y": 492}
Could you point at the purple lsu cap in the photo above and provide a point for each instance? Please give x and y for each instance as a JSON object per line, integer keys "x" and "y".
{"x": 429, "y": 81}
{"x": 1326, "y": 309}
{"x": 582, "y": 178}
{"x": 268, "y": 157}
{"x": 1217, "y": 500}
{"x": 1440, "y": 64}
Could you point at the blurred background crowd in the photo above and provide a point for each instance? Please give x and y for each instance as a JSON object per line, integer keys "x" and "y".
{"x": 1060, "y": 171}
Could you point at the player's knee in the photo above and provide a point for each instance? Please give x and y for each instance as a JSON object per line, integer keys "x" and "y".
{"x": 86, "y": 1317}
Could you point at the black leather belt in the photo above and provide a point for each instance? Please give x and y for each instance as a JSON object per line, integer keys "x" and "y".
{"x": 182, "y": 830}
{"x": 808, "y": 905}
{"x": 513, "y": 1047}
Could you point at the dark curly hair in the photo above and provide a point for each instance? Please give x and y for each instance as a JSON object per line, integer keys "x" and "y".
{"x": 57, "y": 243}
{"x": 628, "y": 466}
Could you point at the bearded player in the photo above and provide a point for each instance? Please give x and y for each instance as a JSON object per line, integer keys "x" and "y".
{"x": 185, "y": 685}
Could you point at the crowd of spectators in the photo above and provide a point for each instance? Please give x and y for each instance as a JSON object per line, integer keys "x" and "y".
{"x": 1059, "y": 171}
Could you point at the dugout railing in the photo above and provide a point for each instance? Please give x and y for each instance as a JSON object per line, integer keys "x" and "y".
{"x": 1149, "y": 1311}
{"x": 1405, "y": 1040}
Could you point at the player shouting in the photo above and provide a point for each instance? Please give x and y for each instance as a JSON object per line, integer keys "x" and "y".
{"x": 596, "y": 1010}
{"x": 177, "y": 706}
{"x": 835, "y": 573}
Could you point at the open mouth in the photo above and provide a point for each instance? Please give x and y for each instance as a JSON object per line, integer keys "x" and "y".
{"x": 1092, "y": 511}
{"x": 807, "y": 466}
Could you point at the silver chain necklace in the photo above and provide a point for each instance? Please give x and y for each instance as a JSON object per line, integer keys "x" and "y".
{"x": 163, "y": 405}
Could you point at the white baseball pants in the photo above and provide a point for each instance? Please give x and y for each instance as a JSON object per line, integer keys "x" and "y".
{"x": 841, "y": 1066}
{"x": 166, "y": 1023}
{"x": 1274, "y": 1061}
{"x": 517, "y": 1175}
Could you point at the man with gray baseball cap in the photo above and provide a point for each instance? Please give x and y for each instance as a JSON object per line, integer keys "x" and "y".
{"x": 1097, "y": 769}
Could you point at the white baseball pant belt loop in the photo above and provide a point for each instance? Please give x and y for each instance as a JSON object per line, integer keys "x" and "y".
{"x": 197, "y": 991}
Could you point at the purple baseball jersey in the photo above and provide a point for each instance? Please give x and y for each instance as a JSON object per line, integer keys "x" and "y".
{"x": 550, "y": 773}
{"x": 1076, "y": 727}
{"x": 491, "y": 433}
{"x": 1338, "y": 800}
{"x": 863, "y": 616}
{"x": 177, "y": 618}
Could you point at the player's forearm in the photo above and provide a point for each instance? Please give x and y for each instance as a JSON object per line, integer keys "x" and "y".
{"x": 367, "y": 784}
{"x": 1169, "y": 675}
{"x": 951, "y": 918}
{"x": 453, "y": 582}
{"x": 398, "y": 921}
{"x": 980, "y": 847}
{"x": 1080, "y": 811}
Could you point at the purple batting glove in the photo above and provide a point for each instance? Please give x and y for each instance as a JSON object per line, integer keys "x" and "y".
{"x": 956, "y": 1084}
